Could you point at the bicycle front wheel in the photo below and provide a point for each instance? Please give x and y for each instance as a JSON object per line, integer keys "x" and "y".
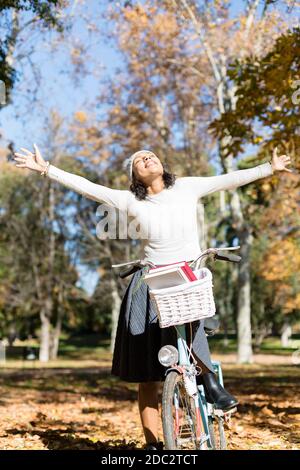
{"x": 217, "y": 433}
{"x": 181, "y": 419}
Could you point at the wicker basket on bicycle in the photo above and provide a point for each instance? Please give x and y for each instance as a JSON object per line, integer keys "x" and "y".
{"x": 186, "y": 302}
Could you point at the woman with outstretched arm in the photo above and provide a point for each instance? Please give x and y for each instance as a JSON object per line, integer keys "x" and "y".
{"x": 157, "y": 200}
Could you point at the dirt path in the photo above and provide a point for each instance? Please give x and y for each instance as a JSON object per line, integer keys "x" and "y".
{"x": 85, "y": 408}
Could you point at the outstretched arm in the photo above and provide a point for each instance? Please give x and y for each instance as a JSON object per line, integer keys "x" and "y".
{"x": 203, "y": 185}
{"x": 232, "y": 180}
{"x": 113, "y": 197}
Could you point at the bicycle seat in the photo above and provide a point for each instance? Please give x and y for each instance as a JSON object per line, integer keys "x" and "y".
{"x": 211, "y": 325}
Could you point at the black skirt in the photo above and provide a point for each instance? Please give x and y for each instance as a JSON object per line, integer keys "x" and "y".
{"x": 139, "y": 337}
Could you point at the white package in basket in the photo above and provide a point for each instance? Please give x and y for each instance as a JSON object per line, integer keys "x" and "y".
{"x": 186, "y": 302}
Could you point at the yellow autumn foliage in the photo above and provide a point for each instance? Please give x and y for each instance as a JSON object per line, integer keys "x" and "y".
{"x": 165, "y": 24}
{"x": 137, "y": 15}
{"x": 283, "y": 259}
{"x": 281, "y": 265}
{"x": 80, "y": 116}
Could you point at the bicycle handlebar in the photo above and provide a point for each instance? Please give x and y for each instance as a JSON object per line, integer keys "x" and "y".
{"x": 128, "y": 271}
{"x": 216, "y": 255}
{"x": 230, "y": 258}
{"x": 133, "y": 266}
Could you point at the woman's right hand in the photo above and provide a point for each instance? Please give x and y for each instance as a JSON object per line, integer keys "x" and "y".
{"x": 32, "y": 161}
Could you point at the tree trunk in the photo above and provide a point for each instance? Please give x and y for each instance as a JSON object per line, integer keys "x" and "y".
{"x": 223, "y": 320}
{"x": 262, "y": 330}
{"x": 202, "y": 228}
{"x": 244, "y": 335}
{"x": 116, "y": 304}
{"x": 225, "y": 92}
{"x": 44, "y": 336}
{"x": 53, "y": 351}
{"x": 13, "y": 39}
{"x": 54, "y": 344}
{"x": 52, "y": 335}
{"x": 161, "y": 124}
{"x": 286, "y": 334}
{"x": 223, "y": 210}
{"x": 12, "y": 334}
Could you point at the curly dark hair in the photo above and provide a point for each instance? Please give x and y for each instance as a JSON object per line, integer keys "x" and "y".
{"x": 140, "y": 191}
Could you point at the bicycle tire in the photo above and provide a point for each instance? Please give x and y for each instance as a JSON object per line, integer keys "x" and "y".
{"x": 217, "y": 433}
{"x": 177, "y": 425}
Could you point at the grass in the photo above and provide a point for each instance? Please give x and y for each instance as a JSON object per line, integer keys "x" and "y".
{"x": 270, "y": 345}
{"x": 93, "y": 350}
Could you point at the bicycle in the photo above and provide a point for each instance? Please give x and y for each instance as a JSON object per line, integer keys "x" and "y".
{"x": 189, "y": 421}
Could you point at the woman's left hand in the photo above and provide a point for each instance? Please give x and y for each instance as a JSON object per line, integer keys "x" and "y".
{"x": 279, "y": 163}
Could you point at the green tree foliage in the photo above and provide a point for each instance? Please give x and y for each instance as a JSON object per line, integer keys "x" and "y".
{"x": 44, "y": 13}
{"x": 267, "y": 110}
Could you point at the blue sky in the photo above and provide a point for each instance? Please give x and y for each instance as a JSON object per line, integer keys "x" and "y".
{"x": 57, "y": 90}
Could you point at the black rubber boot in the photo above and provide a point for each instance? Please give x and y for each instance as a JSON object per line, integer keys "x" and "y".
{"x": 217, "y": 394}
{"x": 154, "y": 446}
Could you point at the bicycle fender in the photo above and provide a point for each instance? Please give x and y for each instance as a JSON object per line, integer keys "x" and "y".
{"x": 177, "y": 369}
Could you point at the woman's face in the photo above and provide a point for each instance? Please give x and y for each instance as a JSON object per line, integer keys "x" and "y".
{"x": 146, "y": 165}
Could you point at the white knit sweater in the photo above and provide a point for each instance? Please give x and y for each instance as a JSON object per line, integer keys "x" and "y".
{"x": 165, "y": 222}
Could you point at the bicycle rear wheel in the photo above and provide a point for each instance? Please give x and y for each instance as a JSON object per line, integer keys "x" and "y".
{"x": 181, "y": 419}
